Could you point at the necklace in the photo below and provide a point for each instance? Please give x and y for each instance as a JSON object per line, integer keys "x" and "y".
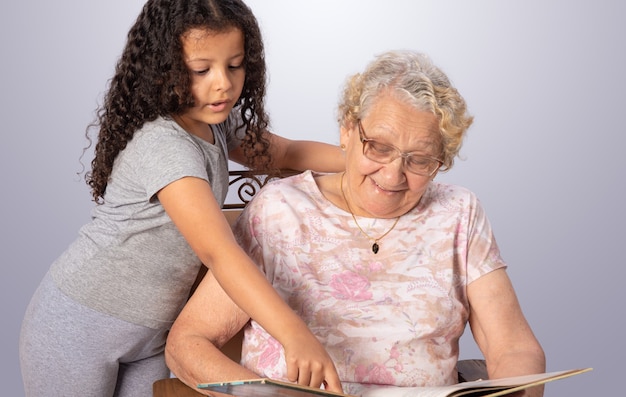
{"x": 375, "y": 246}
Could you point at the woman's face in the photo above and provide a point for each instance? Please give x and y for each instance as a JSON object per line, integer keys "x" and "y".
{"x": 388, "y": 190}
{"x": 216, "y": 64}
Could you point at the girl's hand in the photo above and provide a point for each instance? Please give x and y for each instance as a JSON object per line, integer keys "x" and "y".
{"x": 309, "y": 364}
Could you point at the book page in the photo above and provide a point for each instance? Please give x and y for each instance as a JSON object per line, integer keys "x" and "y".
{"x": 490, "y": 388}
{"x": 438, "y": 391}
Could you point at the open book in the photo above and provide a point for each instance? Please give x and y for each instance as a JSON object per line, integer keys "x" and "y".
{"x": 483, "y": 388}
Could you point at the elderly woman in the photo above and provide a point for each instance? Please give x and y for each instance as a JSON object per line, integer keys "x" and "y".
{"x": 384, "y": 264}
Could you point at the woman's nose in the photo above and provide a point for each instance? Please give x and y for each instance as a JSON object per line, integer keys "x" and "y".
{"x": 393, "y": 171}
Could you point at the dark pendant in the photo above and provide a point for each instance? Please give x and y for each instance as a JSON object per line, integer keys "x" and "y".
{"x": 375, "y": 248}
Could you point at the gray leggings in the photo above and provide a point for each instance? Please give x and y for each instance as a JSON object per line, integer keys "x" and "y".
{"x": 67, "y": 349}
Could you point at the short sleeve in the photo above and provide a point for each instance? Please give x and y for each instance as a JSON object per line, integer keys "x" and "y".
{"x": 165, "y": 157}
{"x": 483, "y": 254}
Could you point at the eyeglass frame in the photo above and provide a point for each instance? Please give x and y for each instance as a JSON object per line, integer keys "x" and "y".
{"x": 398, "y": 153}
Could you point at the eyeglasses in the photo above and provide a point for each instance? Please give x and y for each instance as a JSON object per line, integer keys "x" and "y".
{"x": 385, "y": 154}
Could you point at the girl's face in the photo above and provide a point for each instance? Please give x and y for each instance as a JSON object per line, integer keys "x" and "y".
{"x": 216, "y": 64}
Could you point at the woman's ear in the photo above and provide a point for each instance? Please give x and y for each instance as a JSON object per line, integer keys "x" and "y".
{"x": 344, "y": 136}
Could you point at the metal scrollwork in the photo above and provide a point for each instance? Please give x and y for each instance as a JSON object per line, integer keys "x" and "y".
{"x": 248, "y": 183}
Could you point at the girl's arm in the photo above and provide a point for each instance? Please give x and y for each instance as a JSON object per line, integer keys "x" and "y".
{"x": 501, "y": 330}
{"x": 306, "y": 155}
{"x": 192, "y": 207}
{"x": 299, "y": 155}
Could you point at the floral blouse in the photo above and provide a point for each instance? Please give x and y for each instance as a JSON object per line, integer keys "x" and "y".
{"x": 391, "y": 318}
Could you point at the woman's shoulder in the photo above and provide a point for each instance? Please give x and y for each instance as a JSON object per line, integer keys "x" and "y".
{"x": 449, "y": 196}
{"x": 287, "y": 186}
{"x": 289, "y": 191}
{"x": 447, "y": 189}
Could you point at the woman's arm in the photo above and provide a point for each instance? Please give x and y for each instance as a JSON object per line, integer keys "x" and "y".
{"x": 501, "y": 330}
{"x": 192, "y": 207}
{"x": 207, "y": 322}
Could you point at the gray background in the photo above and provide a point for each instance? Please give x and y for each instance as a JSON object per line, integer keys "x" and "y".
{"x": 544, "y": 79}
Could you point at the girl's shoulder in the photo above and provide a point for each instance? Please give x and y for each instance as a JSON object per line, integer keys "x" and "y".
{"x": 161, "y": 126}
{"x": 161, "y": 132}
{"x": 158, "y": 139}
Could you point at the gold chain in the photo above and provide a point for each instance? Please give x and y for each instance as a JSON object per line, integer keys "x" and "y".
{"x": 375, "y": 246}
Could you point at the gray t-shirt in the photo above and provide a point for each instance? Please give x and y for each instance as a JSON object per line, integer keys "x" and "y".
{"x": 131, "y": 261}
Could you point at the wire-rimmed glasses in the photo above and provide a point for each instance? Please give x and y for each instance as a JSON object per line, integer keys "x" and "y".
{"x": 385, "y": 154}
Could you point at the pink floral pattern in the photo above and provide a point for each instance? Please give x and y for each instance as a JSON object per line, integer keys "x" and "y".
{"x": 350, "y": 286}
{"x": 393, "y": 318}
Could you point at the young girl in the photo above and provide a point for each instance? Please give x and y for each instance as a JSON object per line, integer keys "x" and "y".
{"x": 187, "y": 94}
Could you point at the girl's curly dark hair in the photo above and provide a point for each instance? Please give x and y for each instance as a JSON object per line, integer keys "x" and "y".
{"x": 152, "y": 80}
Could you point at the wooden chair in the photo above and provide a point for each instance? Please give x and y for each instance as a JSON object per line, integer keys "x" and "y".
{"x": 245, "y": 184}
{"x": 172, "y": 387}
